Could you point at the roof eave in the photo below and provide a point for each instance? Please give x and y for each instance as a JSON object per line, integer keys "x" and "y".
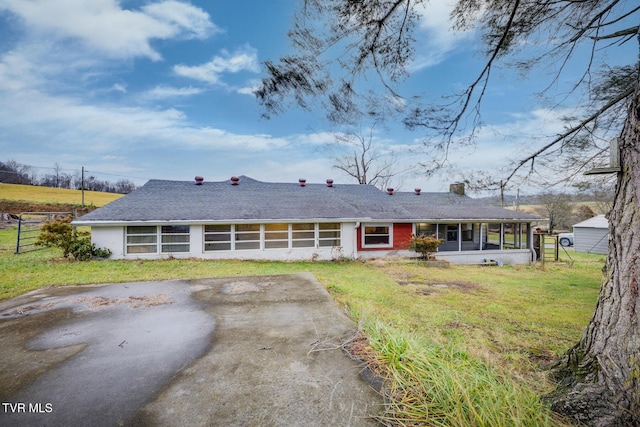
{"x": 106, "y": 223}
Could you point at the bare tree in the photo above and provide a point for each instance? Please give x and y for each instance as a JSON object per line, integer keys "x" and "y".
{"x": 12, "y": 172}
{"x": 124, "y": 186}
{"x": 364, "y": 160}
{"x": 599, "y": 190}
{"x": 556, "y": 207}
{"x": 341, "y": 41}
{"x": 582, "y": 213}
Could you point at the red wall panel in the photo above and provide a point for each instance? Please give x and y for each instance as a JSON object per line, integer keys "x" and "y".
{"x": 401, "y": 236}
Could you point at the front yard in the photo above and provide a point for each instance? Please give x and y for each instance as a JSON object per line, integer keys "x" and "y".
{"x": 463, "y": 345}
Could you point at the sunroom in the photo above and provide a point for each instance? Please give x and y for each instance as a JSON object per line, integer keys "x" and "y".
{"x": 477, "y": 236}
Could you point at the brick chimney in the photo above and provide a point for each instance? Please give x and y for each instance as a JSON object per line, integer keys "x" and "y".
{"x": 457, "y": 188}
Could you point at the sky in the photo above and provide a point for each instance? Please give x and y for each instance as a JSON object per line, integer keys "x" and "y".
{"x": 143, "y": 90}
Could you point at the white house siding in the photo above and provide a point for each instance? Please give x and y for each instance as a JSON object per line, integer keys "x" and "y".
{"x": 113, "y": 238}
{"x": 592, "y": 235}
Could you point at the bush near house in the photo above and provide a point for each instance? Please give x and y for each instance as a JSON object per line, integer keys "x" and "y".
{"x": 59, "y": 233}
{"x": 424, "y": 245}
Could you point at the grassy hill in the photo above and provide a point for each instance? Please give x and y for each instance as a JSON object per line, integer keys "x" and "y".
{"x": 15, "y": 199}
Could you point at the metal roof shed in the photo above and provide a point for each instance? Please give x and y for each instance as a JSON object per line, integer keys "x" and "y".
{"x": 592, "y": 235}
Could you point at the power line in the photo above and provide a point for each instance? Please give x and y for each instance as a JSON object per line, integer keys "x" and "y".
{"x": 77, "y": 171}
{"x": 113, "y": 174}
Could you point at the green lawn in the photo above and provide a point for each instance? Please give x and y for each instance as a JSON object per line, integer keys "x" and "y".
{"x": 464, "y": 345}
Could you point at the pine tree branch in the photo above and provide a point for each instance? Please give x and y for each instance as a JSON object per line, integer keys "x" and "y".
{"x": 571, "y": 131}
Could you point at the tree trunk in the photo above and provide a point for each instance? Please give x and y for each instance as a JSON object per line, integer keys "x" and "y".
{"x": 599, "y": 378}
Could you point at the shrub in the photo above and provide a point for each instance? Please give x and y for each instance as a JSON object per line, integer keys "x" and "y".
{"x": 59, "y": 233}
{"x": 425, "y": 245}
{"x": 81, "y": 249}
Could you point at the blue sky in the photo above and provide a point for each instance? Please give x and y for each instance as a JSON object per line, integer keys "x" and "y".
{"x": 163, "y": 89}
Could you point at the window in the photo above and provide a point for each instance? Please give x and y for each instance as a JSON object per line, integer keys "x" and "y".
{"x": 511, "y": 236}
{"x": 452, "y": 233}
{"x": 228, "y": 237}
{"x": 377, "y": 236}
{"x": 142, "y": 239}
{"x": 175, "y": 238}
{"x": 329, "y": 234}
{"x": 516, "y": 236}
{"x": 429, "y": 230}
{"x": 494, "y": 236}
{"x": 276, "y": 236}
{"x": 303, "y": 235}
{"x": 484, "y": 229}
{"x": 247, "y": 236}
{"x": 217, "y": 237}
{"x": 467, "y": 232}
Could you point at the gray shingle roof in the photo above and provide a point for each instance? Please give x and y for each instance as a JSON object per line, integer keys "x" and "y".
{"x": 253, "y": 200}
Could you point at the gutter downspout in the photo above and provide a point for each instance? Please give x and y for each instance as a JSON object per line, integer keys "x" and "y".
{"x": 355, "y": 240}
{"x": 534, "y": 257}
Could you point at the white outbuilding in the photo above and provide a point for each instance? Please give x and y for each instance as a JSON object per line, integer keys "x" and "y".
{"x": 592, "y": 235}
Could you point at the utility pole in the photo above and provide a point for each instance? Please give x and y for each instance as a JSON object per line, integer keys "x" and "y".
{"x": 82, "y": 186}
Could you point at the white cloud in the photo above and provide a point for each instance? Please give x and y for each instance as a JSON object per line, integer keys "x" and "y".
{"x": 59, "y": 80}
{"x": 162, "y": 92}
{"x": 117, "y": 87}
{"x": 498, "y": 147}
{"x": 70, "y": 123}
{"x": 243, "y": 59}
{"x": 316, "y": 139}
{"x": 250, "y": 89}
{"x": 436, "y": 36}
{"x": 313, "y": 169}
{"x": 187, "y": 20}
{"x": 104, "y": 26}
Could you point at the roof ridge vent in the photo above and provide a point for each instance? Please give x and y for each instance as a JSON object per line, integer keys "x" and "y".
{"x": 235, "y": 180}
{"x": 302, "y": 182}
{"x": 329, "y": 182}
{"x": 199, "y": 180}
{"x": 390, "y": 191}
{"x": 417, "y": 190}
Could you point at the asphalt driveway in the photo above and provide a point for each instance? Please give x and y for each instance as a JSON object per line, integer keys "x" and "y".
{"x": 242, "y": 351}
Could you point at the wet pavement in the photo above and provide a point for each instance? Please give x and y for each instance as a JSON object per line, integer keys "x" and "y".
{"x": 242, "y": 351}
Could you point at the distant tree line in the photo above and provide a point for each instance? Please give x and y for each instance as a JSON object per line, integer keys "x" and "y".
{"x": 12, "y": 172}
